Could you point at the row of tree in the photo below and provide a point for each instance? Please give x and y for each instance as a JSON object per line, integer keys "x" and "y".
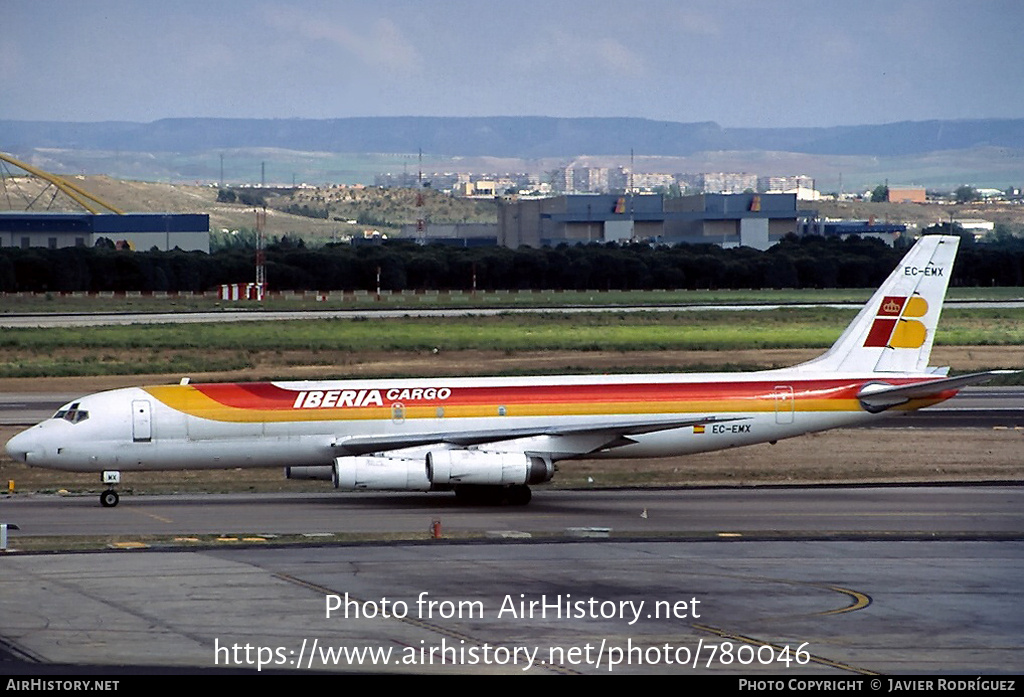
{"x": 796, "y": 262}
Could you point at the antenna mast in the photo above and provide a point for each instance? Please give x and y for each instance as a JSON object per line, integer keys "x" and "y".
{"x": 261, "y": 254}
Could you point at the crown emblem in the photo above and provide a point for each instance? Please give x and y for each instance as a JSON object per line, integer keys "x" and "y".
{"x": 891, "y": 307}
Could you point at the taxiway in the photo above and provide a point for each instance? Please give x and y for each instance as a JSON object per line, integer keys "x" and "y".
{"x": 852, "y": 581}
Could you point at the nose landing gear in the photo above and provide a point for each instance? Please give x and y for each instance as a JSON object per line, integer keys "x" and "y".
{"x": 109, "y": 498}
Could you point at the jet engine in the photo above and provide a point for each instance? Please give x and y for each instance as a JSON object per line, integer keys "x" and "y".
{"x": 461, "y": 467}
{"x": 368, "y": 472}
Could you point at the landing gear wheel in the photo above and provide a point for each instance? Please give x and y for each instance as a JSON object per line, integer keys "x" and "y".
{"x": 109, "y": 498}
{"x": 519, "y": 495}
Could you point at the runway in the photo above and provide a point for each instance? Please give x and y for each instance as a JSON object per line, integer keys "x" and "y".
{"x": 95, "y": 319}
{"x": 843, "y": 582}
{"x": 817, "y": 512}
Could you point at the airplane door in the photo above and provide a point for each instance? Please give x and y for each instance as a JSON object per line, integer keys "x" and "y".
{"x": 784, "y": 404}
{"x": 142, "y": 421}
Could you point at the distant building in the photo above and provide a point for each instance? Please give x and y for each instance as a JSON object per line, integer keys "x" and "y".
{"x": 140, "y": 231}
{"x": 652, "y": 181}
{"x": 752, "y": 220}
{"x": 720, "y": 182}
{"x": 887, "y": 232}
{"x": 733, "y": 220}
{"x": 453, "y": 234}
{"x": 907, "y": 194}
{"x": 780, "y": 184}
{"x": 581, "y": 179}
{"x": 977, "y": 227}
{"x": 987, "y": 194}
{"x": 801, "y": 185}
{"x": 460, "y": 183}
{"x": 483, "y": 187}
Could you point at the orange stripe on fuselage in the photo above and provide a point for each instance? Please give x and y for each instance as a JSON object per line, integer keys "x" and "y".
{"x": 267, "y": 402}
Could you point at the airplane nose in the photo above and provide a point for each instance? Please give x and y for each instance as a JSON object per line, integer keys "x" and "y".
{"x": 22, "y": 446}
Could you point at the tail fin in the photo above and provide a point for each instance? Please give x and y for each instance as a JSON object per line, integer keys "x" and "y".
{"x": 895, "y": 330}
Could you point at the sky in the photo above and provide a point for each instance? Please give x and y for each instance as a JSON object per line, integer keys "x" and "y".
{"x": 736, "y": 62}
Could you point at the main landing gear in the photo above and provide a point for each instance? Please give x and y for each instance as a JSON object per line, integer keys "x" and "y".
{"x": 109, "y": 498}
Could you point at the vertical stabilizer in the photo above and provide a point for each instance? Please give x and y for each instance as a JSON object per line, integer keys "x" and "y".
{"x": 895, "y": 330}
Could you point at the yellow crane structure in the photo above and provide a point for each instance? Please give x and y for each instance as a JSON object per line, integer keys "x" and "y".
{"x": 90, "y": 202}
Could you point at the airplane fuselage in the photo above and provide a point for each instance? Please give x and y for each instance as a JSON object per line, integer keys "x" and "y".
{"x": 308, "y": 423}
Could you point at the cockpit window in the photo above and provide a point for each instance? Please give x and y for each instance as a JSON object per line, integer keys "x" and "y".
{"x": 72, "y": 414}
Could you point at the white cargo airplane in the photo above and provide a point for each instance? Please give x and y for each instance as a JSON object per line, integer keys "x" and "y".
{"x": 489, "y": 439}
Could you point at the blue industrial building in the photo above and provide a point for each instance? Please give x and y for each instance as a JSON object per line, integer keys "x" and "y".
{"x": 729, "y": 220}
{"x": 453, "y": 234}
{"x": 887, "y": 232}
{"x": 141, "y": 231}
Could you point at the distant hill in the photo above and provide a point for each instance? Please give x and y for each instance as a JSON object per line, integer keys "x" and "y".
{"x": 505, "y": 136}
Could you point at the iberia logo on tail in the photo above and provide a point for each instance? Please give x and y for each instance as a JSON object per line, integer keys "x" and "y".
{"x": 895, "y": 326}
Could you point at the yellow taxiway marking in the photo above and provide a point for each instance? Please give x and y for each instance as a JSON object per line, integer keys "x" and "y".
{"x": 154, "y": 516}
{"x": 860, "y": 601}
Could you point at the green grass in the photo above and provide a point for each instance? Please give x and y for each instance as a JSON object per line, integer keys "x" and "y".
{"x": 612, "y": 331}
{"x": 180, "y": 349}
{"x": 620, "y": 331}
{"x": 45, "y": 366}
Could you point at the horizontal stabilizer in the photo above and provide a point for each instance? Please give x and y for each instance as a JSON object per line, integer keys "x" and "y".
{"x": 878, "y": 396}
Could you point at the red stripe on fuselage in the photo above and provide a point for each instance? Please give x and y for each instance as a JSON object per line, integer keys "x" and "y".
{"x": 252, "y": 395}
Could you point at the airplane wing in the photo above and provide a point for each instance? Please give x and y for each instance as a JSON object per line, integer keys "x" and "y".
{"x": 584, "y": 438}
{"x": 879, "y": 396}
